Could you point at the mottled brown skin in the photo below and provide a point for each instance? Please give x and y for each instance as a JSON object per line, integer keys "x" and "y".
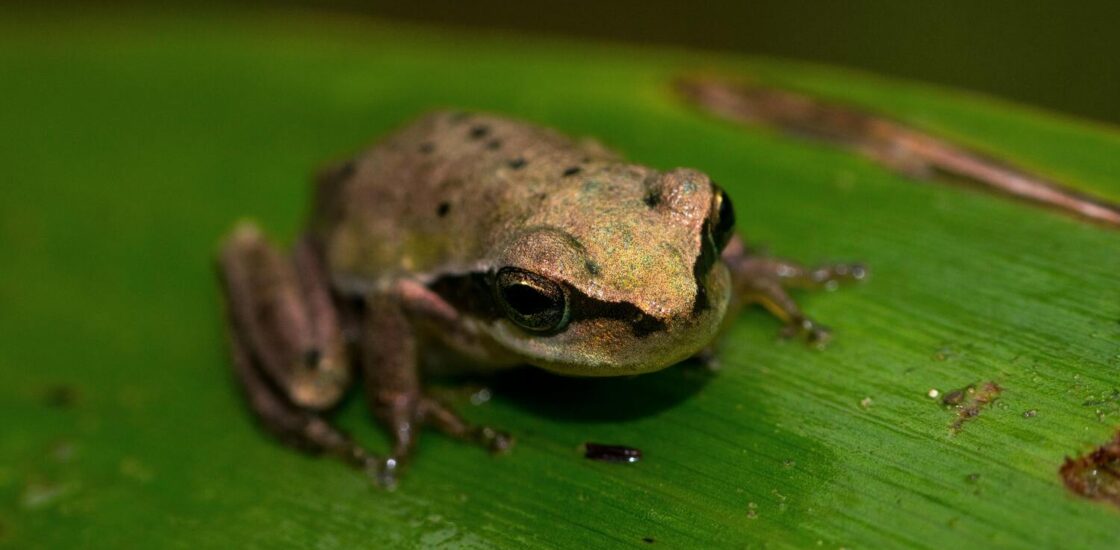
{"x": 479, "y": 242}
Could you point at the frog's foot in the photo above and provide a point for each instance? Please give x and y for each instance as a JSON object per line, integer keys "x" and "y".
{"x": 293, "y": 426}
{"x": 392, "y": 379}
{"x": 765, "y": 280}
{"x": 287, "y": 348}
{"x": 404, "y": 415}
{"x": 441, "y": 417}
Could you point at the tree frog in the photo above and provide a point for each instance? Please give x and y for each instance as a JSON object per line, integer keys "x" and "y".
{"x": 473, "y": 241}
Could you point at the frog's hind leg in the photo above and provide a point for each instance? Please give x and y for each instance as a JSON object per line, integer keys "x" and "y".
{"x": 293, "y": 426}
{"x": 390, "y": 368}
{"x": 288, "y": 351}
{"x": 764, "y": 280}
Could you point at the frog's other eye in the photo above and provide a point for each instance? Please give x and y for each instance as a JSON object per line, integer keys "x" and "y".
{"x": 533, "y": 302}
{"x": 723, "y": 218}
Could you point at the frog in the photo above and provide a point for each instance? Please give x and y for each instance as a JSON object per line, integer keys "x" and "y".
{"x": 475, "y": 242}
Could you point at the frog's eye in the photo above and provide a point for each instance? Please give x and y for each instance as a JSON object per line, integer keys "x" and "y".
{"x": 723, "y": 219}
{"x": 533, "y": 302}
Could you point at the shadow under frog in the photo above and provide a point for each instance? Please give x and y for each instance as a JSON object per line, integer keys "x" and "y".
{"x": 601, "y": 400}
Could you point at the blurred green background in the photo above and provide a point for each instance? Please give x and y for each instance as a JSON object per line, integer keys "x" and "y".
{"x": 1051, "y": 53}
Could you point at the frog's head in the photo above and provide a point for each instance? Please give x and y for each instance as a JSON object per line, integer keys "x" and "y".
{"x": 618, "y": 273}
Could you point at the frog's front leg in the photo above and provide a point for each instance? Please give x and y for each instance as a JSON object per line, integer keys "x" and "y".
{"x": 390, "y": 367}
{"x": 287, "y": 348}
{"x": 764, "y": 280}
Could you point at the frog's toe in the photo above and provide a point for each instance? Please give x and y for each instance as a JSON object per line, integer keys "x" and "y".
{"x": 814, "y": 334}
{"x": 495, "y": 441}
{"x": 441, "y": 417}
{"x": 831, "y": 276}
{"x": 384, "y": 472}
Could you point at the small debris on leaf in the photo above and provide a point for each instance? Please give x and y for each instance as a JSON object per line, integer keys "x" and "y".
{"x": 969, "y": 401}
{"x": 611, "y": 453}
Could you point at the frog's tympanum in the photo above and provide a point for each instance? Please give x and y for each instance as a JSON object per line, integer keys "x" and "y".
{"x": 478, "y": 242}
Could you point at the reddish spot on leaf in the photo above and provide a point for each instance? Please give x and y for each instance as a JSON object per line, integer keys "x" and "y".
{"x": 1095, "y": 475}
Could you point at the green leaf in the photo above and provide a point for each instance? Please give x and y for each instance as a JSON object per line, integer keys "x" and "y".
{"x": 131, "y": 143}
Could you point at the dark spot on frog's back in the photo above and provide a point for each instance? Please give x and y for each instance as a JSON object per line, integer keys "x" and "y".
{"x": 571, "y": 171}
{"x": 592, "y": 267}
{"x": 652, "y": 199}
{"x": 479, "y": 132}
{"x": 443, "y": 209}
{"x": 494, "y": 144}
{"x": 427, "y": 147}
{"x": 517, "y": 163}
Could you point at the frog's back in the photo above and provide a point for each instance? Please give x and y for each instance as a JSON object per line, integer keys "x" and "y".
{"x": 434, "y": 196}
